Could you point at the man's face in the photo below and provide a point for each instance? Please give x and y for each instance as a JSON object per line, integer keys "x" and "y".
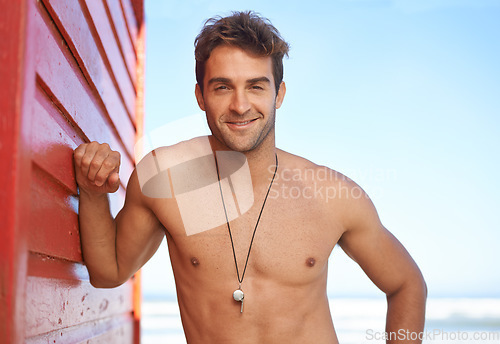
{"x": 239, "y": 98}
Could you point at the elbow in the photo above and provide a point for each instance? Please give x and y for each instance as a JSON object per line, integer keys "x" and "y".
{"x": 105, "y": 283}
{"x": 419, "y": 285}
{"x": 413, "y": 288}
{"x": 106, "y": 278}
{"x": 417, "y": 293}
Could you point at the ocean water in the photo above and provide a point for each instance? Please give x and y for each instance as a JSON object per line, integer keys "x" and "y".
{"x": 359, "y": 321}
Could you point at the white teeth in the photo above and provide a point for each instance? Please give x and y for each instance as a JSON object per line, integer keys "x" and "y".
{"x": 241, "y": 123}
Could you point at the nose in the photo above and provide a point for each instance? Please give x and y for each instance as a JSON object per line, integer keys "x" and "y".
{"x": 239, "y": 102}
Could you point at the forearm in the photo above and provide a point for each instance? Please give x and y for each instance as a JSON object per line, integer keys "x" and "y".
{"x": 406, "y": 313}
{"x": 98, "y": 239}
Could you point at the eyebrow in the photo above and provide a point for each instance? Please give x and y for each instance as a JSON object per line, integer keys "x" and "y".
{"x": 260, "y": 79}
{"x": 222, "y": 80}
{"x": 249, "y": 81}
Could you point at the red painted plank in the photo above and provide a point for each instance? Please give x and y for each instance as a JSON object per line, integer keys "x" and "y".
{"x": 120, "y": 335}
{"x": 74, "y": 102}
{"x": 41, "y": 265}
{"x": 61, "y": 79}
{"x": 73, "y": 26}
{"x": 138, "y": 6}
{"x": 137, "y": 301}
{"x": 51, "y": 146}
{"x": 16, "y": 74}
{"x": 126, "y": 46}
{"x": 54, "y": 219}
{"x": 110, "y": 52}
{"x": 141, "y": 60}
{"x": 128, "y": 12}
{"x": 53, "y": 304}
{"x": 117, "y": 330}
{"x": 53, "y": 140}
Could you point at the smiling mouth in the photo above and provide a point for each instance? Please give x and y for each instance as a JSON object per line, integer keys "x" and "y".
{"x": 242, "y": 123}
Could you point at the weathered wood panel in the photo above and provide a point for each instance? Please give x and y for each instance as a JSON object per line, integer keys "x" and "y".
{"x": 41, "y": 265}
{"x": 69, "y": 75}
{"x": 61, "y": 79}
{"x": 112, "y": 330}
{"x": 55, "y": 304}
{"x": 71, "y": 21}
{"x": 130, "y": 19}
{"x": 54, "y": 219}
{"x": 54, "y": 139}
{"x": 84, "y": 91}
{"x": 114, "y": 10}
{"x": 109, "y": 46}
{"x": 16, "y": 75}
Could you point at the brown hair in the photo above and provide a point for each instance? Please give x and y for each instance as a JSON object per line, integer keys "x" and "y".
{"x": 246, "y": 30}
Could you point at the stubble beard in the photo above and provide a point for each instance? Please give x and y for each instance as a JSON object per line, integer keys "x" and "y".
{"x": 255, "y": 141}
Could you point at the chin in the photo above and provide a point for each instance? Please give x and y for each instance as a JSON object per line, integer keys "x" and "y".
{"x": 242, "y": 148}
{"x": 237, "y": 144}
{"x": 244, "y": 145}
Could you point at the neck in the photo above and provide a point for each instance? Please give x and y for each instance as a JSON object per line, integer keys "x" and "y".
{"x": 262, "y": 165}
{"x": 261, "y": 160}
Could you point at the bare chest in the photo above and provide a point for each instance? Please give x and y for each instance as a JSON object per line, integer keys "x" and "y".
{"x": 290, "y": 245}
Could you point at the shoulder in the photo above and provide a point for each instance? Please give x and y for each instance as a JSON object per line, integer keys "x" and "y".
{"x": 296, "y": 168}
{"x": 339, "y": 195}
{"x": 293, "y": 164}
{"x": 152, "y": 171}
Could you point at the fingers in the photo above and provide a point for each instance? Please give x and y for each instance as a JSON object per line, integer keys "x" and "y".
{"x": 114, "y": 182}
{"x": 103, "y": 166}
{"x": 89, "y": 160}
{"x": 97, "y": 163}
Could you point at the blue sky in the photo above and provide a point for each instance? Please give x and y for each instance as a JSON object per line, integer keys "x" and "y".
{"x": 403, "y": 96}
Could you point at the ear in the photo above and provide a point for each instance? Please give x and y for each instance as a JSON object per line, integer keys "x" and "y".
{"x": 281, "y": 95}
{"x": 199, "y": 97}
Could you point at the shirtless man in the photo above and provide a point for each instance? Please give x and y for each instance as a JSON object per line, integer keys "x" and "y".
{"x": 239, "y": 86}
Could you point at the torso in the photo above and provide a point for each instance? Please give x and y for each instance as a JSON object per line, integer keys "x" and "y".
{"x": 285, "y": 281}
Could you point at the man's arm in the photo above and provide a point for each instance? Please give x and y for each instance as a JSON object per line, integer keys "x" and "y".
{"x": 387, "y": 263}
{"x": 113, "y": 249}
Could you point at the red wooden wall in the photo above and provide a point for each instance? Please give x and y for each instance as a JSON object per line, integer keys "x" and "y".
{"x": 71, "y": 72}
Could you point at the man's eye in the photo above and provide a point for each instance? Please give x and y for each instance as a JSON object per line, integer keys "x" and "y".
{"x": 255, "y": 87}
{"x": 222, "y": 87}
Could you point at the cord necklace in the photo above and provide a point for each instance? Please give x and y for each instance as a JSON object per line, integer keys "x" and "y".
{"x": 238, "y": 294}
